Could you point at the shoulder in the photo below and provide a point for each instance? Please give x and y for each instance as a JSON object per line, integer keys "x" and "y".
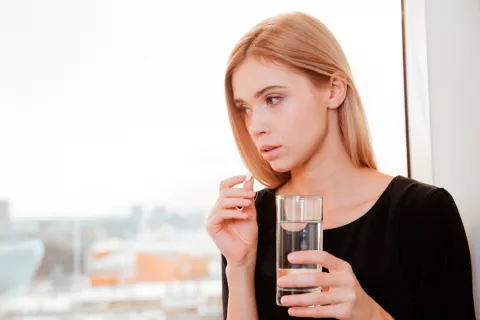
{"x": 408, "y": 191}
{"x": 414, "y": 195}
{"x": 424, "y": 208}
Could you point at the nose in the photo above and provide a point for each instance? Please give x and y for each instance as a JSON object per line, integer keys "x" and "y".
{"x": 258, "y": 124}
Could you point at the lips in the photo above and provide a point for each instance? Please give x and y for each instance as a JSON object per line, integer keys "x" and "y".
{"x": 269, "y": 151}
{"x": 267, "y": 148}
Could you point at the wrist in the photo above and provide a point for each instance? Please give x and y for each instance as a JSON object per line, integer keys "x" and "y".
{"x": 246, "y": 268}
{"x": 377, "y": 312}
{"x": 247, "y": 263}
{"x": 240, "y": 278}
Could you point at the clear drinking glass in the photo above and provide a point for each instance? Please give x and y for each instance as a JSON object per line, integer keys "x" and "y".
{"x": 299, "y": 227}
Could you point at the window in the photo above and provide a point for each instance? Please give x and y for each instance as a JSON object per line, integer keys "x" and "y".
{"x": 114, "y": 136}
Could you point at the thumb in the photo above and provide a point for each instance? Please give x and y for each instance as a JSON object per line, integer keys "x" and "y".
{"x": 248, "y": 184}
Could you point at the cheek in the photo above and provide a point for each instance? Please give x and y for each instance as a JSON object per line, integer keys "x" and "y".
{"x": 307, "y": 123}
{"x": 307, "y": 130}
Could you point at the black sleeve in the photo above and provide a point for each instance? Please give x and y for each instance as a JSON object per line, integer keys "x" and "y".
{"x": 224, "y": 288}
{"x": 445, "y": 269}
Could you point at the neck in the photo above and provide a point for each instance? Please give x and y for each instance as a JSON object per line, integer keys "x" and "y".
{"x": 330, "y": 170}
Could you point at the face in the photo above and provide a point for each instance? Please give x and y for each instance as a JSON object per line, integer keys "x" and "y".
{"x": 285, "y": 113}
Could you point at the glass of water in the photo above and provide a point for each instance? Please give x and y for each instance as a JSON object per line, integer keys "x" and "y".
{"x": 299, "y": 227}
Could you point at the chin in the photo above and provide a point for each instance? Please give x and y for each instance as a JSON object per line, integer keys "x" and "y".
{"x": 280, "y": 165}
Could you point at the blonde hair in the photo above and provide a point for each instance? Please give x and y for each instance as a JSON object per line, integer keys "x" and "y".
{"x": 302, "y": 43}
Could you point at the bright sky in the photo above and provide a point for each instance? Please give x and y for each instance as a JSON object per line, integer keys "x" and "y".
{"x": 105, "y": 104}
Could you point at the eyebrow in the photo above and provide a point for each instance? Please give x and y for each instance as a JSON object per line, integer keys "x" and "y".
{"x": 260, "y": 92}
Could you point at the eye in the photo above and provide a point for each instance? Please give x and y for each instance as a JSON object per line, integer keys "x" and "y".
{"x": 244, "y": 109}
{"x": 272, "y": 100}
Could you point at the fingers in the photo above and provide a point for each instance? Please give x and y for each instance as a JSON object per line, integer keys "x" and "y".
{"x": 335, "y": 311}
{"x": 237, "y": 198}
{"x": 323, "y": 258}
{"x": 316, "y": 279}
{"x": 229, "y": 203}
{"x": 214, "y": 223}
{"x": 248, "y": 185}
{"x": 232, "y": 182}
{"x": 319, "y": 298}
{"x": 237, "y": 193}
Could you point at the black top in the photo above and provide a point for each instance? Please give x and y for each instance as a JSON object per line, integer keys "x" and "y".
{"x": 409, "y": 253}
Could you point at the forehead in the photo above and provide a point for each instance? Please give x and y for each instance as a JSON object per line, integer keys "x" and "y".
{"x": 255, "y": 74}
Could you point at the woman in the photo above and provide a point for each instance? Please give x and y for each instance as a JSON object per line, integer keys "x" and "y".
{"x": 393, "y": 247}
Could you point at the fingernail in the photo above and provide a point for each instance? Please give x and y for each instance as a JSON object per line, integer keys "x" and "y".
{"x": 249, "y": 176}
{"x": 292, "y": 257}
{"x": 284, "y": 300}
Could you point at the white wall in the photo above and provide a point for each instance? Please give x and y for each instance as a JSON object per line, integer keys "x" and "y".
{"x": 453, "y": 51}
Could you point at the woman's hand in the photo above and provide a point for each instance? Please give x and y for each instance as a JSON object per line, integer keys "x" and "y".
{"x": 345, "y": 300}
{"x": 235, "y": 231}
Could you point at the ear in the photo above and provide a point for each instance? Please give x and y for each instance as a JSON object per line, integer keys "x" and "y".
{"x": 337, "y": 90}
